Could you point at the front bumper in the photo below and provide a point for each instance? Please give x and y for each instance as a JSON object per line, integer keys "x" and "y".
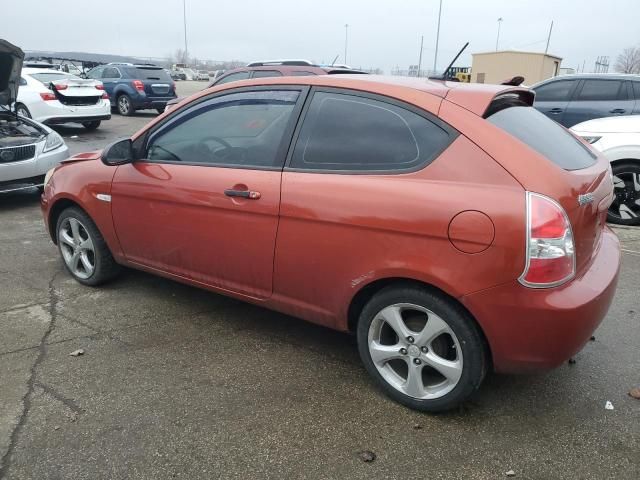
{"x": 531, "y": 330}
{"x": 29, "y": 173}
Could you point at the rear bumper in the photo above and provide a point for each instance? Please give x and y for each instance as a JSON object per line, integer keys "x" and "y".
{"x": 531, "y": 330}
{"x": 76, "y": 119}
{"x": 152, "y": 103}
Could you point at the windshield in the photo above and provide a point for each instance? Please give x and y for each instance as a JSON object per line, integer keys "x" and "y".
{"x": 545, "y": 136}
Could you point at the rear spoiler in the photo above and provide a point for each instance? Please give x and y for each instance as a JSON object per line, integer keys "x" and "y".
{"x": 510, "y": 98}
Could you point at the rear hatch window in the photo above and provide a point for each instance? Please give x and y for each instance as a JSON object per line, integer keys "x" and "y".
{"x": 46, "y": 78}
{"x": 150, "y": 73}
{"x": 545, "y": 136}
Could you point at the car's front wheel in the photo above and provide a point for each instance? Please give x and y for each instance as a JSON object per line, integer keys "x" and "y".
{"x": 83, "y": 249}
{"x": 125, "y": 107}
{"x": 421, "y": 348}
{"x": 625, "y": 209}
{"x": 91, "y": 125}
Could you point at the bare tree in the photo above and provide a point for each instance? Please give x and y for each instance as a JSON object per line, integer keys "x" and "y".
{"x": 629, "y": 60}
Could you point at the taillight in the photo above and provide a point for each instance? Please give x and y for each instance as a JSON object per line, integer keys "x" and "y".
{"x": 99, "y": 86}
{"x": 46, "y": 96}
{"x": 551, "y": 259}
{"x": 138, "y": 85}
{"x": 60, "y": 86}
{"x": 105, "y": 95}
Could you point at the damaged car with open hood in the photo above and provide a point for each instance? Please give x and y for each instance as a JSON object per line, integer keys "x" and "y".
{"x": 28, "y": 149}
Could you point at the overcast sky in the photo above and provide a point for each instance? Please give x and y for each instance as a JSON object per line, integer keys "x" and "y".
{"x": 382, "y": 33}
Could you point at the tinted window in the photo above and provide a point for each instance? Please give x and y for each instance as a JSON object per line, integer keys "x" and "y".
{"x": 266, "y": 73}
{"x": 600, "y": 90}
{"x": 554, "y": 91}
{"x": 142, "y": 73}
{"x": 243, "y": 129}
{"x": 233, "y": 78}
{"x": 545, "y": 136}
{"x": 346, "y": 132}
{"x": 110, "y": 72}
{"x": 636, "y": 89}
{"x": 45, "y": 78}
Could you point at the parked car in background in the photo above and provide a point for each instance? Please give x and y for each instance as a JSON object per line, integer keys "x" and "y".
{"x": 572, "y": 99}
{"x": 202, "y": 75}
{"x": 28, "y": 149}
{"x": 273, "y": 68}
{"x": 619, "y": 141}
{"x": 53, "y": 97}
{"x": 135, "y": 87}
{"x": 453, "y": 228}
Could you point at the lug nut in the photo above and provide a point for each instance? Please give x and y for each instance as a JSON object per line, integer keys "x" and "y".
{"x": 403, "y": 351}
{"x": 410, "y": 339}
{"x": 424, "y": 349}
{"x": 417, "y": 361}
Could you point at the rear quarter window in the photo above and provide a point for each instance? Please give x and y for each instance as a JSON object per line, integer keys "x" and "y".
{"x": 343, "y": 132}
{"x": 545, "y": 136}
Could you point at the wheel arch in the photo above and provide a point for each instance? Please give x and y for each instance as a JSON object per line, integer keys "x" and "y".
{"x": 56, "y": 210}
{"x": 362, "y": 297}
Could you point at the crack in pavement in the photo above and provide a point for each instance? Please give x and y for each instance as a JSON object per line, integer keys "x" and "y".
{"x": 5, "y": 461}
{"x": 67, "y": 402}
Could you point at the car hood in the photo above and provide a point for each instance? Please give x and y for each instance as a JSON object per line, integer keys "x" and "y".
{"x": 11, "y": 58}
{"x": 626, "y": 124}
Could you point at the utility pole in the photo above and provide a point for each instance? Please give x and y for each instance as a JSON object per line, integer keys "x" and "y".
{"x": 435, "y": 57}
{"x": 548, "y": 38}
{"x": 498, "y": 36}
{"x": 346, "y": 41}
{"x": 420, "y": 57}
{"x": 184, "y": 16}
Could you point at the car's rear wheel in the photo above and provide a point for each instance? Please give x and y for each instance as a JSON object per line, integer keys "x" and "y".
{"x": 23, "y": 110}
{"x": 91, "y": 125}
{"x": 83, "y": 249}
{"x": 125, "y": 107}
{"x": 625, "y": 209}
{"x": 422, "y": 348}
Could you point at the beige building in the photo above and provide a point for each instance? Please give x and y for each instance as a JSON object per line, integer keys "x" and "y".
{"x": 495, "y": 67}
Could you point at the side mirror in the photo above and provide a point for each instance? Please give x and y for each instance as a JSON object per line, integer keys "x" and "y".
{"x": 118, "y": 153}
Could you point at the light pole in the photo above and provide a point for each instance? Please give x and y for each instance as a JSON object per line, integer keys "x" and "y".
{"x": 435, "y": 57}
{"x": 184, "y": 17}
{"x": 498, "y": 37}
{"x": 346, "y": 41}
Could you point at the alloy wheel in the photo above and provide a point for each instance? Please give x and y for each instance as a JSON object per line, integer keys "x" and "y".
{"x": 123, "y": 104}
{"x": 415, "y": 351}
{"x": 77, "y": 248}
{"x": 626, "y": 201}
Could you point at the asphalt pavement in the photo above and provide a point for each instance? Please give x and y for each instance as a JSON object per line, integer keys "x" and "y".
{"x": 176, "y": 382}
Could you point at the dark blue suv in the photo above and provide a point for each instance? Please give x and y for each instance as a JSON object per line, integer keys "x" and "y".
{"x": 573, "y": 99}
{"x": 135, "y": 87}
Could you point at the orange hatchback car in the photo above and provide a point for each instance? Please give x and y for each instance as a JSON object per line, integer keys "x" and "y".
{"x": 452, "y": 227}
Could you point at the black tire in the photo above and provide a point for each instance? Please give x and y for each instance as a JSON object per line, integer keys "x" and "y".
{"x": 474, "y": 351}
{"x": 91, "y": 126}
{"x": 626, "y": 201}
{"x": 106, "y": 267}
{"x": 23, "y": 110}
{"x": 124, "y": 105}
{"x": 160, "y": 110}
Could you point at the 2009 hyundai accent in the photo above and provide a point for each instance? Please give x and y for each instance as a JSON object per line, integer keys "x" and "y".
{"x": 453, "y": 228}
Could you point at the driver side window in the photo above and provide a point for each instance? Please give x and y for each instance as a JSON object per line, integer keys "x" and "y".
{"x": 239, "y": 129}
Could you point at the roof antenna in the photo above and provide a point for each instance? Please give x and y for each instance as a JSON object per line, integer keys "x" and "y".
{"x": 444, "y": 74}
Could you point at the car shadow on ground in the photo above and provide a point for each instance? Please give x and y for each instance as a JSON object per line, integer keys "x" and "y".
{"x": 23, "y": 198}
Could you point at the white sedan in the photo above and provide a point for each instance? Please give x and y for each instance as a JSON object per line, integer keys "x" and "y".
{"x": 54, "y": 97}
{"x": 618, "y": 138}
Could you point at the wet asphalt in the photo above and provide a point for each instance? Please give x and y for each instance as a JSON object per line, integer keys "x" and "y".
{"x": 176, "y": 382}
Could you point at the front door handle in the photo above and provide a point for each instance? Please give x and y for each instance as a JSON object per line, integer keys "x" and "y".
{"x": 617, "y": 110}
{"x": 555, "y": 110}
{"x": 250, "y": 194}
